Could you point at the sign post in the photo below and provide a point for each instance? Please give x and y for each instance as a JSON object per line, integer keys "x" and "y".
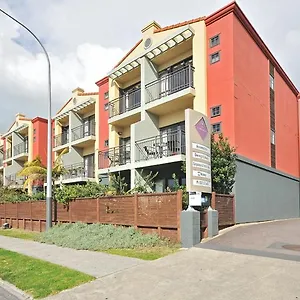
{"x": 198, "y": 157}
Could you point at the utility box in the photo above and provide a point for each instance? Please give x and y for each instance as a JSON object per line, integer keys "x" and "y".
{"x": 212, "y": 222}
{"x": 190, "y": 228}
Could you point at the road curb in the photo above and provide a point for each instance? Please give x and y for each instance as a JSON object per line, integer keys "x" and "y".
{"x": 14, "y": 291}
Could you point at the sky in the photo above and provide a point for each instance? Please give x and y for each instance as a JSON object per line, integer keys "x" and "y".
{"x": 86, "y": 38}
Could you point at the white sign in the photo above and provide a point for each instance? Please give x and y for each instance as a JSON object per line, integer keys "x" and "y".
{"x": 195, "y": 199}
{"x": 201, "y": 156}
{"x": 201, "y": 174}
{"x": 200, "y": 147}
{"x": 201, "y": 165}
{"x": 199, "y": 182}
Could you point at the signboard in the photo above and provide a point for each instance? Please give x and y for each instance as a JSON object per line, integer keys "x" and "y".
{"x": 198, "y": 157}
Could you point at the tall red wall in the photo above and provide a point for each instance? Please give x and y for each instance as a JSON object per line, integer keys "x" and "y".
{"x": 251, "y": 97}
{"x": 220, "y": 75}
{"x": 286, "y": 128}
{"x": 40, "y": 139}
{"x": 103, "y": 114}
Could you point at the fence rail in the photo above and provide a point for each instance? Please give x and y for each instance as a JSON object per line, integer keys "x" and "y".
{"x": 84, "y": 130}
{"x": 170, "y": 83}
{"x": 125, "y": 103}
{"x": 116, "y": 156}
{"x": 163, "y": 145}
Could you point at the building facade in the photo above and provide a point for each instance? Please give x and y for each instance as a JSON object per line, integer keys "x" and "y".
{"x": 217, "y": 65}
{"x": 77, "y": 131}
{"x": 25, "y": 140}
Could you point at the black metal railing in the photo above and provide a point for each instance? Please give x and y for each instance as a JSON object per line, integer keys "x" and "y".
{"x": 14, "y": 180}
{"x": 21, "y": 148}
{"x": 7, "y": 154}
{"x": 79, "y": 170}
{"x": 170, "y": 83}
{"x": 61, "y": 139}
{"x": 116, "y": 156}
{"x": 163, "y": 145}
{"x": 1, "y": 162}
{"x": 125, "y": 103}
{"x": 83, "y": 131}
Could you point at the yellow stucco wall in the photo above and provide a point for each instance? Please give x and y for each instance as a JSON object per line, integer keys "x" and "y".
{"x": 88, "y": 150}
{"x": 170, "y": 119}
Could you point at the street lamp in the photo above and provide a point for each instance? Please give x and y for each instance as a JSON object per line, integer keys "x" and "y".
{"x": 49, "y": 134}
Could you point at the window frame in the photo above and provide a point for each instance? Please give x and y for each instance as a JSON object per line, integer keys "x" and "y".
{"x": 272, "y": 82}
{"x": 211, "y": 56}
{"x": 106, "y": 143}
{"x": 211, "y": 45}
{"x": 217, "y": 123}
{"x": 212, "y": 108}
{"x": 273, "y": 137}
{"x": 106, "y": 95}
{"x": 106, "y": 106}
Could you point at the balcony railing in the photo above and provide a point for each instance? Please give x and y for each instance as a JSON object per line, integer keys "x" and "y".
{"x": 170, "y": 83}
{"x": 125, "y": 103}
{"x": 7, "y": 154}
{"x": 1, "y": 162}
{"x": 15, "y": 180}
{"x": 61, "y": 139}
{"x": 113, "y": 157}
{"x": 83, "y": 131}
{"x": 21, "y": 148}
{"x": 79, "y": 170}
{"x": 163, "y": 145}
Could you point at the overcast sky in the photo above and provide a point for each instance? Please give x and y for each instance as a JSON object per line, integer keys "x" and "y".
{"x": 85, "y": 38}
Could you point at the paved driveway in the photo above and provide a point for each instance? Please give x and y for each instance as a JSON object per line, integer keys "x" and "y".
{"x": 279, "y": 239}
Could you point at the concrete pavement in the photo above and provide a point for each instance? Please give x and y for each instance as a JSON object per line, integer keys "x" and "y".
{"x": 9, "y": 292}
{"x": 93, "y": 263}
{"x": 197, "y": 274}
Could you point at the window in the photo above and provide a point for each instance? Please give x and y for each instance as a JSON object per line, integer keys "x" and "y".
{"x": 215, "y": 111}
{"x": 106, "y": 106}
{"x": 272, "y": 137}
{"x": 106, "y": 95}
{"x": 272, "y": 82}
{"x": 34, "y": 139}
{"x": 215, "y": 57}
{"x": 216, "y": 128}
{"x": 214, "y": 41}
{"x": 34, "y": 131}
{"x": 106, "y": 143}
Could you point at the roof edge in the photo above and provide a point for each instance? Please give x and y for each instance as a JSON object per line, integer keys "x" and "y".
{"x": 233, "y": 7}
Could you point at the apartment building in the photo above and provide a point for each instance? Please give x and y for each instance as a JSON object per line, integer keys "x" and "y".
{"x": 217, "y": 65}
{"x": 24, "y": 140}
{"x": 1, "y": 159}
{"x": 76, "y": 131}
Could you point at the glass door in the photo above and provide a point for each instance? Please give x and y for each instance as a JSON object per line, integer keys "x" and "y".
{"x": 88, "y": 165}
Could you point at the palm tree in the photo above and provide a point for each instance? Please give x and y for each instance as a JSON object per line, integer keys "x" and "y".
{"x": 35, "y": 170}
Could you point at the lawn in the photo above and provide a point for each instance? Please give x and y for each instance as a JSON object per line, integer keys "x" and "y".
{"x": 20, "y": 234}
{"x": 104, "y": 238}
{"x": 36, "y": 277}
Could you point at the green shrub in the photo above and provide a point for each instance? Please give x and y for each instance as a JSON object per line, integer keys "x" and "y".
{"x": 98, "y": 237}
{"x": 66, "y": 193}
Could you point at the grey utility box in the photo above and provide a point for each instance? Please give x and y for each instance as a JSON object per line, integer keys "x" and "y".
{"x": 212, "y": 222}
{"x": 190, "y": 228}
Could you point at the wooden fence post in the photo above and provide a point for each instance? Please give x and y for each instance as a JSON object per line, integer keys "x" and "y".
{"x": 98, "y": 210}
{"x": 179, "y": 209}
{"x": 17, "y": 216}
{"x": 213, "y": 200}
{"x": 4, "y": 212}
{"x": 31, "y": 215}
{"x": 70, "y": 215}
{"x": 136, "y": 204}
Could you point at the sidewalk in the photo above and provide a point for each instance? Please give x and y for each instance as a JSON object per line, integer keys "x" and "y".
{"x": 92, "y": 263}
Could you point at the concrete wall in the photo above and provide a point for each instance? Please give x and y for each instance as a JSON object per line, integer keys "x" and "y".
{"x": 264, "y": 194}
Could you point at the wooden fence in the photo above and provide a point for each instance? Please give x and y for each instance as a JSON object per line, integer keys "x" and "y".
{"x": 150, "y": 213}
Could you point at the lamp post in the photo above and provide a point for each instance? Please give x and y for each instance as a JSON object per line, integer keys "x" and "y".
{"x": 49, "y": 131}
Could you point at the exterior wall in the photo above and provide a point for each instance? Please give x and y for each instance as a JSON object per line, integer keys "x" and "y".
{"x": 286, "y": 134}
{"x": 220, "y": 86}
{"x": 262, "y": 193}
{"x": 40, "y": 139}
{"x": 252, "y": 97}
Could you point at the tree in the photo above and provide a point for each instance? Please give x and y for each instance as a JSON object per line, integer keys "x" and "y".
{"x": 33, "y": 170}
{"x": 223, "y": 165}
{"x": 143, "y": 183}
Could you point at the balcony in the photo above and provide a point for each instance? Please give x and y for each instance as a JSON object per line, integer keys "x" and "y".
{"x": 84, "y": 135}
{"x": 162, "y": 146}
{"x": 21, "y": 150}
{"x": 79, "y": 172}
{"x": 7, "y": 154}
{"x": 1, "y": 162}
{"x": 114, "y": 157}
{"x": 14, "y": 181}
{"x": 125, "y": 104}
{"x": 61, "y": 139}
{"x": 176, "y": 86}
